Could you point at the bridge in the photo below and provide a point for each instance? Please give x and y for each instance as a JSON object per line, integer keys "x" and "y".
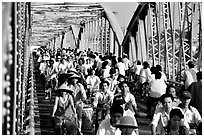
{"x": 165, "y": 33}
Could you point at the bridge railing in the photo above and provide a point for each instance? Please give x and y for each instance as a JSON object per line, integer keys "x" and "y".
{"x": 15, "y": 62}
{"x": 163, "y": 33}
{"x": 178, "y": 85}
{"x": 30, "y": 123}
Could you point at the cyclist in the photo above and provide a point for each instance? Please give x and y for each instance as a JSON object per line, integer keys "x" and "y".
{"x": 64, "y": 113}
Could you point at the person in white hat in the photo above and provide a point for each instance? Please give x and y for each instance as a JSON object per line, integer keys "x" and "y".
{"x": 64, "y": 111}
{"x": 126, "y": 126}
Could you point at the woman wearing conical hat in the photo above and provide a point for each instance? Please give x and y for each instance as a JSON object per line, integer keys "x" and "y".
{"x": 64, "y": 111}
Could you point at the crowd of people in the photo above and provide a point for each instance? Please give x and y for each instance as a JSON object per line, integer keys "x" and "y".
{"x": 109, "y": 85}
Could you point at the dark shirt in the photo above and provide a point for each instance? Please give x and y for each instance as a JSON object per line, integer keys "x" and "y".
{"x": 181, "y": 131}
{"x": 196, "y": 92}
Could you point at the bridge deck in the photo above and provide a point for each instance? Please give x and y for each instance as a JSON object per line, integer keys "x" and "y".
{"x": 43, "y": 109}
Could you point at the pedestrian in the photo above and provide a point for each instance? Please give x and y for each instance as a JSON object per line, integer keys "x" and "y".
{"x": 126, "y": 61}
{"x": 64, "y": 112}
{"x": 93, "y": 83}
{"x": 108, "y": 126}
{"x": 174, "y": 126}
{"x": 196, "y": 92}
{"x": 145, "y": 79}
{"x": 112, "y": 79}
{"x": 191, "y": 114}
{"x": 102, "y": 102}
{"x": 121, "y": 66}
{"x": 79, "y": 95}
{"x": 130, "y": 102}
{"x": 157, "y": 89}
{"x": 120, "y": 100}
{"x": 126, "y": 126}
{"x": 105, "y": 70}
{"x": 161, "y": 115}
{"x": 172, "y": 90}
{"x": 62, "y": 67}
{"x": 189, "y": 75}
{"x": 163, "y": 76}
{"x": 137, "y": 69}
{"x": 51, "y": 79}
{"x": 145, "y": 73}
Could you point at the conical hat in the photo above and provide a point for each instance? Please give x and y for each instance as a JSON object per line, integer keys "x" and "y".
{"x": 64, "y": 88}
{"x": 75, "y": 76}
{"x": 72, "y": 71}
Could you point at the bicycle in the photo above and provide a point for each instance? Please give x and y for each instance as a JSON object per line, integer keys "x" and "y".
{"x": 101, "y": 113}
{"x": 68, "y": 125}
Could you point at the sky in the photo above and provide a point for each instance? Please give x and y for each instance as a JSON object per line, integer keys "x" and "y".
{"x": 124, "y": 11}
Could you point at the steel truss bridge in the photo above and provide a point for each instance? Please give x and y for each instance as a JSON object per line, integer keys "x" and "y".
{"x": 166, "y": 33}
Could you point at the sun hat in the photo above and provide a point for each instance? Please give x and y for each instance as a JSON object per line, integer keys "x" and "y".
{"x": 64, "y": 88}
{"x": 74, "y": 76}
{"x": 127, "y": 121}
{"x": 72, "y": 71}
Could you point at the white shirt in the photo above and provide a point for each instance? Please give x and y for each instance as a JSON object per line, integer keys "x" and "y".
{"x": 129, "y": 98}
{"x": 56, "y": 64}
{"x": 157, "y": 88}
{"x": 105, "y": 73}
{"x": 87, "y": 66}
{"x": 189, "y": 76}
{"x": 138, "y": 69}
{"x": 42, "y": 67}
{"x": 70, "y": 65}
{"x": 161, "y": 118}
{"x": 121, "y": 67}
{"x": 113, "y": 83}
{"x": 192, "y": 116}
{"x": 79, "y": 93}
{"x": 145, "y": 75}
{"x": 102, "y": 98}
{"x": 105, "y": 128}
{"x": 62, "y": 67}
{"x": 163, "y": 77}
{"x": 93, "y": 82}
{"x": 126, "y": 61}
